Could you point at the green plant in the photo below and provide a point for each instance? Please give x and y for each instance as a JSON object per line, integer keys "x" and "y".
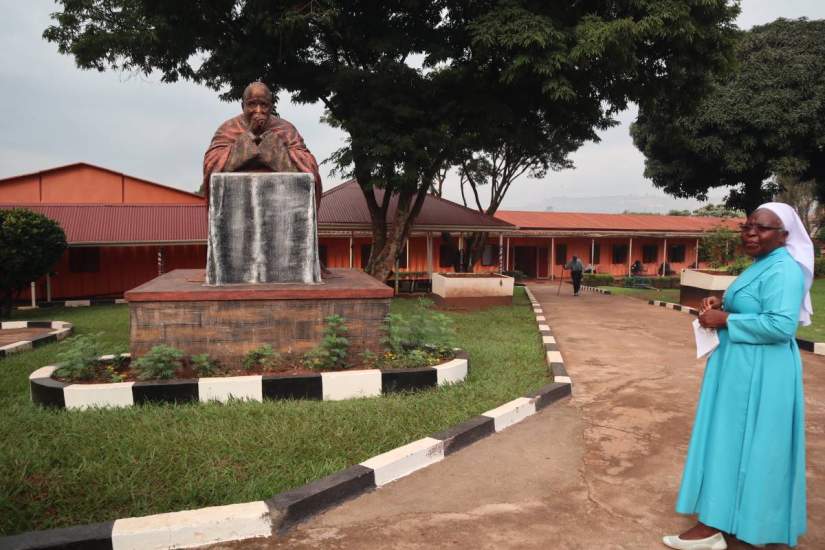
{"x": 597, "y": 279}
{"x": 423, "y": 327}
{"x": 203, "y": 365}
{"x": 739, "y": 265}
{"x": 80, "y": 360}
{"x": 160, "y": 363}
{"x": 368, "y": 359}
{"x": 119, "y": 361}
{"x": 263, "y": 356}
{"x": 333, "y": 350}
{"x": 819, "y": 266}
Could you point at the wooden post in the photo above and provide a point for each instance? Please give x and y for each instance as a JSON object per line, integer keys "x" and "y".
{"x": 508, "y": 254}
{"x": 630, "y": 257}
{"x": 593, "y": 253}
{"x": 552, "y": 258}
{"x": 501, "y": 252}
{"x": 430, "y": 254}
{"x": 696, "y": 264}
{"x": 351, "y": 247}
{"x": 664, "y": 262}
{"x": 34, "y": 294}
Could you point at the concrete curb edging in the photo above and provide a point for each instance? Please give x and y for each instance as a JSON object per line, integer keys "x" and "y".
{"x": 595, "y": 289}
{"x": 817, "y": 348}
{"x": 79, "y": 303}
{"x": 62, "y": 330}
{"x": 326, "y": 386}
{"x": 282, "y": 511}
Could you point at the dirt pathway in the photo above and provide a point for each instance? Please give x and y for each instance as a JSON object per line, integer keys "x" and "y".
{"x": 600, "y": 470}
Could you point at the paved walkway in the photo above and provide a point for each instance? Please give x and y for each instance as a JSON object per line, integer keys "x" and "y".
{"x": 600, "y": 470}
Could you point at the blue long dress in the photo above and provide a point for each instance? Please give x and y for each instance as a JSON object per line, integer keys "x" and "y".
{"x": 745, "y": 467}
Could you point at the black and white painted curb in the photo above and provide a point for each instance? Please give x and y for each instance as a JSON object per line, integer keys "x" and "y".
{"x": 806, "y": 345}
{"x": 595, "y": 289}
{"x": 61, "y": 331}
{"x": 79, "y": 303}
{"x": 327, "y": 386}
{"x": 264, "y": 518}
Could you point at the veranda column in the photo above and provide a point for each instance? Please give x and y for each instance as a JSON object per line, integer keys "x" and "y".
{"x": 630, "y": 257}
{"x": 430, "y": 254}
{"x": 500, "y": 252}
{"x": 664, "y": 263}
{"x": 696, "y": 263}
{"x": 351, "y": 245}
{"x": 593, "y": 253}
{"x": 508, "y": 253}
{"x": 552, "y": 258}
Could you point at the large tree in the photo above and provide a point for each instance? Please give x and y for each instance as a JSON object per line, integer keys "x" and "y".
{"x": 30, "y": 245}
{"x": 766, "y": 118}
{"x": 409, "y": 80}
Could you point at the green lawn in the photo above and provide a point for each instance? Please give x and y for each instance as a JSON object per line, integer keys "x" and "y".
{"x": 60, "y": 468}
{"x": 665, "y": 294}
{"x": 815, "y": 332}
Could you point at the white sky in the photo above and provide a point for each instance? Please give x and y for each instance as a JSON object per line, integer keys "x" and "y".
{"x": 54, "y": 114}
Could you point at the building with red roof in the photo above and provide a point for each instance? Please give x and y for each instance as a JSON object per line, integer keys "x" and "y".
{"x": 123, "y": 231}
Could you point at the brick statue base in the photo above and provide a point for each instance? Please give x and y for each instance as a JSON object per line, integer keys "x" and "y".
{"x": 179, "y": 310}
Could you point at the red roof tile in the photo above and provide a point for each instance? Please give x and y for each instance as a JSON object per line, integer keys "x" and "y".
{"x": 125, "y": 223}
{"x": 612, "y": 222}
{"x": 345, "y": 205}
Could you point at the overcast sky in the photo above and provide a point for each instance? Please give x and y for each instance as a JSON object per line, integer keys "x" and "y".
{"x": 55, "y": 114}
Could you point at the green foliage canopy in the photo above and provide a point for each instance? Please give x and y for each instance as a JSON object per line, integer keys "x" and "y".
{"x": 30, "y": 245}
{"x": 411, "y": 81}
{"x": 767, "y": 117}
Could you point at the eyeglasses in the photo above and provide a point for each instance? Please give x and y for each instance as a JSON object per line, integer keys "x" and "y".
{"x": 746, "y": 227}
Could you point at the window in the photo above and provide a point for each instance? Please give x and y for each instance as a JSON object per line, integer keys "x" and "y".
{"x": 366, "y": 250}
{"x": 650, "y": 253}
{"x": 322, "y": 254}
{"x": 596, "y": 254}
{"x": 84, "y": 260}
{"x": 561, "y": 254}
{"x": 447, "y": 255}
{"x": 619, "y": 253}
{"x": 677, "y": 253}
{"x": 489, "y": 255}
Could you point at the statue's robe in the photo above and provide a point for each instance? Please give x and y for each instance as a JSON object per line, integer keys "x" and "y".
{"x": 219, "y": 150}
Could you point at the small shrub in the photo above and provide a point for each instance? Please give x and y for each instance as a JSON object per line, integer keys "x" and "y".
{"x": 333, "y": 350}
{"x": 119, "y": 361}
{"x": 79, "y": 360}
{"x": 422, "y": 328}
{"x": 263, "y": 356}
{"x": 159, "y": 364}
{"x": 203, "y": 365}
{"x": 819, "y": 266}
{"x": 368, "y": 359}
{"x": 739, "y": 265}
{"x": 597, "y": 279}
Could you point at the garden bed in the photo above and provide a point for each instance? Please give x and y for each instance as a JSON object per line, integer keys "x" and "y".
{"x": 47, "y": 390}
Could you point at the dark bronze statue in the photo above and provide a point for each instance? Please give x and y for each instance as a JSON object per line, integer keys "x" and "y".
{"x": 257, "y": 141}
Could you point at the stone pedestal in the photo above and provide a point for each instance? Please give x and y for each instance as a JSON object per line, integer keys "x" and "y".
{"x": 262, "y": 229}
{"x": 179, "y": 310}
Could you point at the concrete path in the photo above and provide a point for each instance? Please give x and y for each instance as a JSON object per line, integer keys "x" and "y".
{"x": 600, "y": 470}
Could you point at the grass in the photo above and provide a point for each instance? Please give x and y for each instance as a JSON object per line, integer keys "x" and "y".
{"x": 61, "y": 468}
{"x": 815, "y": 331}
{"x": 665, "y": 294}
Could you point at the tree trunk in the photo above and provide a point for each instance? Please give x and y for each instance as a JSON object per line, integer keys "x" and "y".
{"x": 474, "y": 250}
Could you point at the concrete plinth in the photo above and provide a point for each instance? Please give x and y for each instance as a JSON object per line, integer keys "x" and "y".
{"x": 179, "y": 310}
{"x": 262, "y": 229}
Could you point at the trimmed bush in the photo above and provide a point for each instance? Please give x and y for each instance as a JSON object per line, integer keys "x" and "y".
{"x": 597, "y": 279}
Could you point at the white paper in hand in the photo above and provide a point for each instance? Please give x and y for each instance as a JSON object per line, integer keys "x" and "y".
{"x": 707, "y": 339}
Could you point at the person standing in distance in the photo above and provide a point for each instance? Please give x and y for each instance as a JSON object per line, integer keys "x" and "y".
{"x": 576, "y": 269}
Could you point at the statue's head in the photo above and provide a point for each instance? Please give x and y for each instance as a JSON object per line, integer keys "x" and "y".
{"x": 257, "y": 104}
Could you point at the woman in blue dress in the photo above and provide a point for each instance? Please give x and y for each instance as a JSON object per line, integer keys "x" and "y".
{"x": 745, "y": 468}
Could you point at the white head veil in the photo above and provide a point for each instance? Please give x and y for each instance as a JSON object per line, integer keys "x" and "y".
{"x": 799, "y": 246}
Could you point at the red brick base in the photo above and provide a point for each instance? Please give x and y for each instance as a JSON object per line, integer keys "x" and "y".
{"x": 228, "y": 327}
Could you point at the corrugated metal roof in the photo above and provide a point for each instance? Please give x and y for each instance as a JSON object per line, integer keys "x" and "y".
{"x": 125, "y": 223}
{"x": 346, "y": 205}
{"x": 613, "y": 222}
